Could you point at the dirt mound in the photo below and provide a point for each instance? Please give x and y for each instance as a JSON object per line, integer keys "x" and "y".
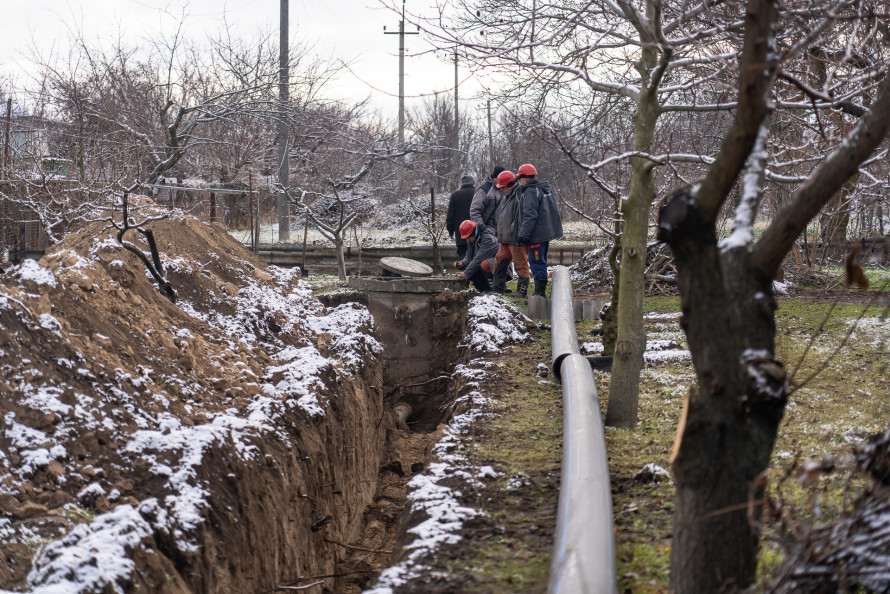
{"x": 178, "y": 447}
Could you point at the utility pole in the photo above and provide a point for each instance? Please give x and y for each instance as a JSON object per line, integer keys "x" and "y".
{"x": 6, "y": 140}
{"x": 490, "y": 140}
{"x": 401, "y": 33}
{"x": 456, "y": 119}
{"x": 283, "y": 141}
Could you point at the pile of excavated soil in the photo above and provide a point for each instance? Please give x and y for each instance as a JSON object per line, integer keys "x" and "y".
{"x": 195, "y": 446}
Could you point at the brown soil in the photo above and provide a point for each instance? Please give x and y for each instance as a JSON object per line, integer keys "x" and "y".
{"x": 102, "y": 357}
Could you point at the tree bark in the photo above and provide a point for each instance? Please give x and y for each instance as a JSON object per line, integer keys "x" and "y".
{"x": 733, "y": 416}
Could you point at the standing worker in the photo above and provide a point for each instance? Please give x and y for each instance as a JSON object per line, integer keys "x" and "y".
{"x": 486, "y": 200}
{"x": 508, "y": 218}
{"x": 479, "y": 261}
{"x": 459, "y": 210}
{"x": 540, "y": 224}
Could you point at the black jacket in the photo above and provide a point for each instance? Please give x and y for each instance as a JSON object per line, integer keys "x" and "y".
{"x": 459, "y": 211}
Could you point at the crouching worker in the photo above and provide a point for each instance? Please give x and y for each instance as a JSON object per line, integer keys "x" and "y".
{"x": 479, "y": 261}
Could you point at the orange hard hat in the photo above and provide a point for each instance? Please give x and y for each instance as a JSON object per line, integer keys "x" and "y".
{"x": 527, "y": 170}
{"x": 505, "y": 178}
{"x": 466, "y": 229}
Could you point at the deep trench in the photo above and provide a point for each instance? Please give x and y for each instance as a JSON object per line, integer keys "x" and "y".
{"x": 420, "y": 334}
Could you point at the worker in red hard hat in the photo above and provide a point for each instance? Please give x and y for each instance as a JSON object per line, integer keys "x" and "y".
{"x": 539, "y": 223}
{"x": 507, "y": 217}
{"x": 478, "y": 264}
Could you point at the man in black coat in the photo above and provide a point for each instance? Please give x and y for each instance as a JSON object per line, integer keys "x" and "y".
{"x": 459, "y": 211}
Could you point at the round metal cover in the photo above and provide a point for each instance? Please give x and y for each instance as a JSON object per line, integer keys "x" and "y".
{"x": 405, "y": 267}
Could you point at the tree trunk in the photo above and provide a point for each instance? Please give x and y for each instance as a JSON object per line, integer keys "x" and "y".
{"x": 624, "y": 387}
{"x": 733, "y": 415}
{"x": 834, "y": 224}
{"x": 341, "y": 258}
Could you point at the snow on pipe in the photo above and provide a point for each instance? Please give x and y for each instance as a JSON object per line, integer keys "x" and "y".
{"x": 564, "y": 341}
{"x": 583, "y": 549}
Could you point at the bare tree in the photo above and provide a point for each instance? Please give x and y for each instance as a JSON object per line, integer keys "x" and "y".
{"x": 732, "y": 416}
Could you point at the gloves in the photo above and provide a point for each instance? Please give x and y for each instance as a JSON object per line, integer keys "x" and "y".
{"x": 523, "y": 241}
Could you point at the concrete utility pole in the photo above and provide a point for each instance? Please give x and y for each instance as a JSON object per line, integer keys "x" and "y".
{"x": 490, "y": 140}
{"x": 456, "y": 119}
{"x": 401, "y": 33}
{"x": 6, "y": 137}
{"x": 283, "y": 157}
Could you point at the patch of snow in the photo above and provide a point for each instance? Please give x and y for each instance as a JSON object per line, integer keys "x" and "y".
{"x": 32, "y": 271}
{"x": 494, "y": 324}
{"x": 592, "y": 348}
{"x": 93, "y": 557}
{"x": 48, "y": 322}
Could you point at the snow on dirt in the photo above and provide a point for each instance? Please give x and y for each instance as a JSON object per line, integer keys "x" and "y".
{"x": 495, "y": 324}
{"x": 116, "y": 400}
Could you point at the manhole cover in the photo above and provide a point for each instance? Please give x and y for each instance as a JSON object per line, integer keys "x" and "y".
{"x": 405, "y": 267}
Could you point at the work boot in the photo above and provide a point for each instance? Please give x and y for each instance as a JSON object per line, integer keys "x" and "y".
{"x": 522, "y": 287}
{"x": 540, "y": 287}
{"x": 499, "y": 280}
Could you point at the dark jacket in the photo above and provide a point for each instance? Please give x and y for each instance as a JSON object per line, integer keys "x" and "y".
{"x": 485, "y": 203}
{"x": 484, "y": 248}
{"x": 540, "y": 217}
{"x": 458, "y": 211}
{"x": 508, "y": 216}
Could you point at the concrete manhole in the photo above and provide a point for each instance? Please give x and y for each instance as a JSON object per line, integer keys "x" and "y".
{"x": 405, "y": 267}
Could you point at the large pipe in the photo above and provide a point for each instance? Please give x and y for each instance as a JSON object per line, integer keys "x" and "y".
{"x": 564, "y": 341}
{"x": 583, "y": 549}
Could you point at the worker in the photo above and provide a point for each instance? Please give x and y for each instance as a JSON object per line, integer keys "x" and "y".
{"x": 540, "y": 223}
{"x": 479, "y": 260}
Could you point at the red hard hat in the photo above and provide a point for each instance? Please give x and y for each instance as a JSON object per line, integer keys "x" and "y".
{"x": 466, "y": 229}
{"x": 504, "y": 178}
{"x": 527, "y": 170}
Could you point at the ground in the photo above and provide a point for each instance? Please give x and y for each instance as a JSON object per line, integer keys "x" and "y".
{"x": 509, "y": 549}
{"x": 193, "y": 429}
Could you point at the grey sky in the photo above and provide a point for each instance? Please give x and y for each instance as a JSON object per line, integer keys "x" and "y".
{"x": 351, "y": 30}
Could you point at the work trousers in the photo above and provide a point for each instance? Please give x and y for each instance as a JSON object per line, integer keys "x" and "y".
{"x": 537, "y": 260}
{"x": 518, "y": 254}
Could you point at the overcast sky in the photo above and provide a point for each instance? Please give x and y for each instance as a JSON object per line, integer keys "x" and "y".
{"x": 350, "y": 30}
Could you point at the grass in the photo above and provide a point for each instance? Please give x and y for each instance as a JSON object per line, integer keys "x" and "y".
{"x": 522, "y": 441}
{"x": 842, "y": 404}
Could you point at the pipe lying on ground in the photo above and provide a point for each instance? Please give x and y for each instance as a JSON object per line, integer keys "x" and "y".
{"x": 583, "y": 549}
{"x": 564, "y": 341}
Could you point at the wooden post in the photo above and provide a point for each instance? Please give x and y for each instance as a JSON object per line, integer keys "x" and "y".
{"x": 212, "y": 207}
{"x": 433, "y": 226}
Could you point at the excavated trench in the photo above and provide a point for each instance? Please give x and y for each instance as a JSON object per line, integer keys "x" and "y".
{"x": 420, "y": 327}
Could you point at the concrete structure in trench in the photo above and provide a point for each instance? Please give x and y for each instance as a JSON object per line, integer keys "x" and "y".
{"x": 420, "y": 320}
